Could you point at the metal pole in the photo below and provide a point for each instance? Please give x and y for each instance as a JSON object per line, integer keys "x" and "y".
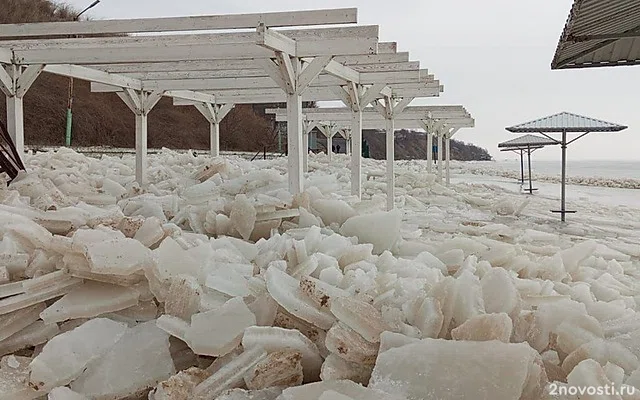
{"x": 522, "y": 166}
{"x": 529, "y": 158}
{"x": 564, "y": 174}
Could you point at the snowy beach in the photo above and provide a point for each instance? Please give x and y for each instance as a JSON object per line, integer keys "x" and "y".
{"x": 216, "y": 283}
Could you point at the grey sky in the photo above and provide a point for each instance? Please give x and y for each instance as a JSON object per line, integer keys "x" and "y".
{"x": 493, "y": 57}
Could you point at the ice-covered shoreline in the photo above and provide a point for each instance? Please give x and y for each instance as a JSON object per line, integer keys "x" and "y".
{"x": 216, "y": 260}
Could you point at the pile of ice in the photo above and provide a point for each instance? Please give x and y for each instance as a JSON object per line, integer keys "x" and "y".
{"x": 215, "y": 283}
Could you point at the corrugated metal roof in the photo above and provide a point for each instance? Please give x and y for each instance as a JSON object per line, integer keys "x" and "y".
{"x": 600, "y": 33}
{"x": 528, "y": 140}
{"x": 568, "y": 122}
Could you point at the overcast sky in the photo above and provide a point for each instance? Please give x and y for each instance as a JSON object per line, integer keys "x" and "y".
{"x": 493, "y": 57}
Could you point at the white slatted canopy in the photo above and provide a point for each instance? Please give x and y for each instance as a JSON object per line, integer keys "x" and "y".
{"x": 214, "y": 71}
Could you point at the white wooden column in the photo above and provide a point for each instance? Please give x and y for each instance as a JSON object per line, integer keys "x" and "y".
{"x": 391, "y": 181}
{"x": 449, "y": 133}
{"x": 141, "y": 103}
{"x": 447, "y": 159}
{"x": 356, "y": 153}
{"x": 214, "y": 113}
{"x": 295, "y": 143}
{"x": 329, "y": 135}
{"x": 14, "y": 83}
{"x": 439, "y": 156}
{"x": 347, "y": 134}
{"x": 429, "y": 152}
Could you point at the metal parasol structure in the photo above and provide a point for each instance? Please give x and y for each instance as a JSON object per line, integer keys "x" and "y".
{"x": 565, "y": 123}
{"x": 528, "y": 144}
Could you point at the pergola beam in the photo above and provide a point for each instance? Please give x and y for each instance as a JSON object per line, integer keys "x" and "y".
{"x": 92, "y": 75}
{"x": 193, "y": 23}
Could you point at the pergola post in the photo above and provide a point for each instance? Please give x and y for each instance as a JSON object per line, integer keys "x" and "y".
{"x": 448, "y": 134}
{"x": 141, "y": 103}
{"x": 214, "y": 114}
{"x": 356, "y": 153}
{"x": 295, "y": 142}
{"x": 347, "y": 134}
{"x": 439, "y": 133}
{"x": 522, "y": 165}
{"x": 14, "y": 83}
{"x": 529, "y": 161}
{"x": 429, "y": 152}
{"x": 390, "y": 133}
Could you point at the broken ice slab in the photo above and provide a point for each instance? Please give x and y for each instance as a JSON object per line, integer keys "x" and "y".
{"x": 499, "y": 292}
{"x": 228, "y": 281}
{"x": 318, "y": 336}
{"x": 150, "y": 232}
{"x": 590, "y": 374}
{"x": 602, "y": 351}
{"x": 576, "y": 331}
{"x": 280, "y": 369}
{"x": 229, "y": 376}
{"x": 15, "y": 264}
{"x": 320, "y": 292}
{"x": 128, "y": 375}
{"x": 286, "y": 291}
{"x": 14, "y": 379}
{"x": 336, "y": 368}
{"x": 18, "y": 320}
{"x": 90, "y": 300}
{"x": 241, "y": 394}
{"x": 382, "y": 239}
{"x": 314, "y": 391}
{"x": 428, "y": 318}
{"x": 492, "y": 370}
{"x": 33, "y": 335}
{"x": 66, "y": 356}
{"x": 11, "y": 289}
{"x": 118, "y": 257}
{"x": 179, "y": 386}
{"x": 183, "y": 299}
{"x": 351, "y": 346}
{"x": 277, "y": 339}
{"x": 20, "y": 301}
{"x": 219, "y": 331}
{"x": 362, "y": 317}
{"x": 279, "y": 214}
{"x": 44, "y": 281}
{"x": 485, "y": 327}
{"x": 243, "y": 216}
{"x": 174, "y": 326}
{"x": 64, "y": 393}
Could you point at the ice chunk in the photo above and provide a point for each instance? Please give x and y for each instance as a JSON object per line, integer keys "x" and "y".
{"x": 129, "y": 375}
{"x": 576, "y": 331}
{"x": 402, "y": 371}
{"x": 118, "y": 257}
{"x": 320, "y": 292}
{"x": 66, "y": 356}
{"x": 180, "y": 386}
{"x": 243, "y": 216}
{"x": 429, "y": 318}
{"x": 228, "y": 281}
{"x": 336, "y": 368}
{"x": 217, "y": 332}
{"x": 278, "y": 339}
{"x": 351, "y": 346}
{"x": 90, "y": 300}
{"x": 285, "y": 290}
{"x": 573, "y": 256}
{"x": 360, "y": 316}
{"x": 183, "y": 299}
{"x": 382, "y": 239}
{"x": 333, "y": 211}
{"x": 499, "y": 292}
{"x": 33, "y": 335}
{"x": 485, "y": 327}
{"x": 14, "y": 379}
{"x": 280, "y": 368}
{"x": 351, "y": 390}
{"x": 229, "y": 376}
{"x": 602, "y": 351}
{"x": 64, "y": 393}
{"x": 150, "y": 232}
{"x": 589, "y": 375}
{"x": 18, "y": 320}
{"x": 174, "y": 326}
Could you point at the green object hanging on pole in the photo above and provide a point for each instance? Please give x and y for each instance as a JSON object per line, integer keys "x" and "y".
{"x": 67, "y": 138}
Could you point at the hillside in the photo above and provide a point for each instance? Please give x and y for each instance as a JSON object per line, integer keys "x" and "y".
{"x": 103, "y": 119}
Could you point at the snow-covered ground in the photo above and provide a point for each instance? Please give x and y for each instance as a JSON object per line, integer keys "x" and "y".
{"x": 473, "y": 291}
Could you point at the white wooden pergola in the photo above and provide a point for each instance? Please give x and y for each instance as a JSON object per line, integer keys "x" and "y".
{"x": 441, "y": 121}
{"x": 214, "y": 71}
